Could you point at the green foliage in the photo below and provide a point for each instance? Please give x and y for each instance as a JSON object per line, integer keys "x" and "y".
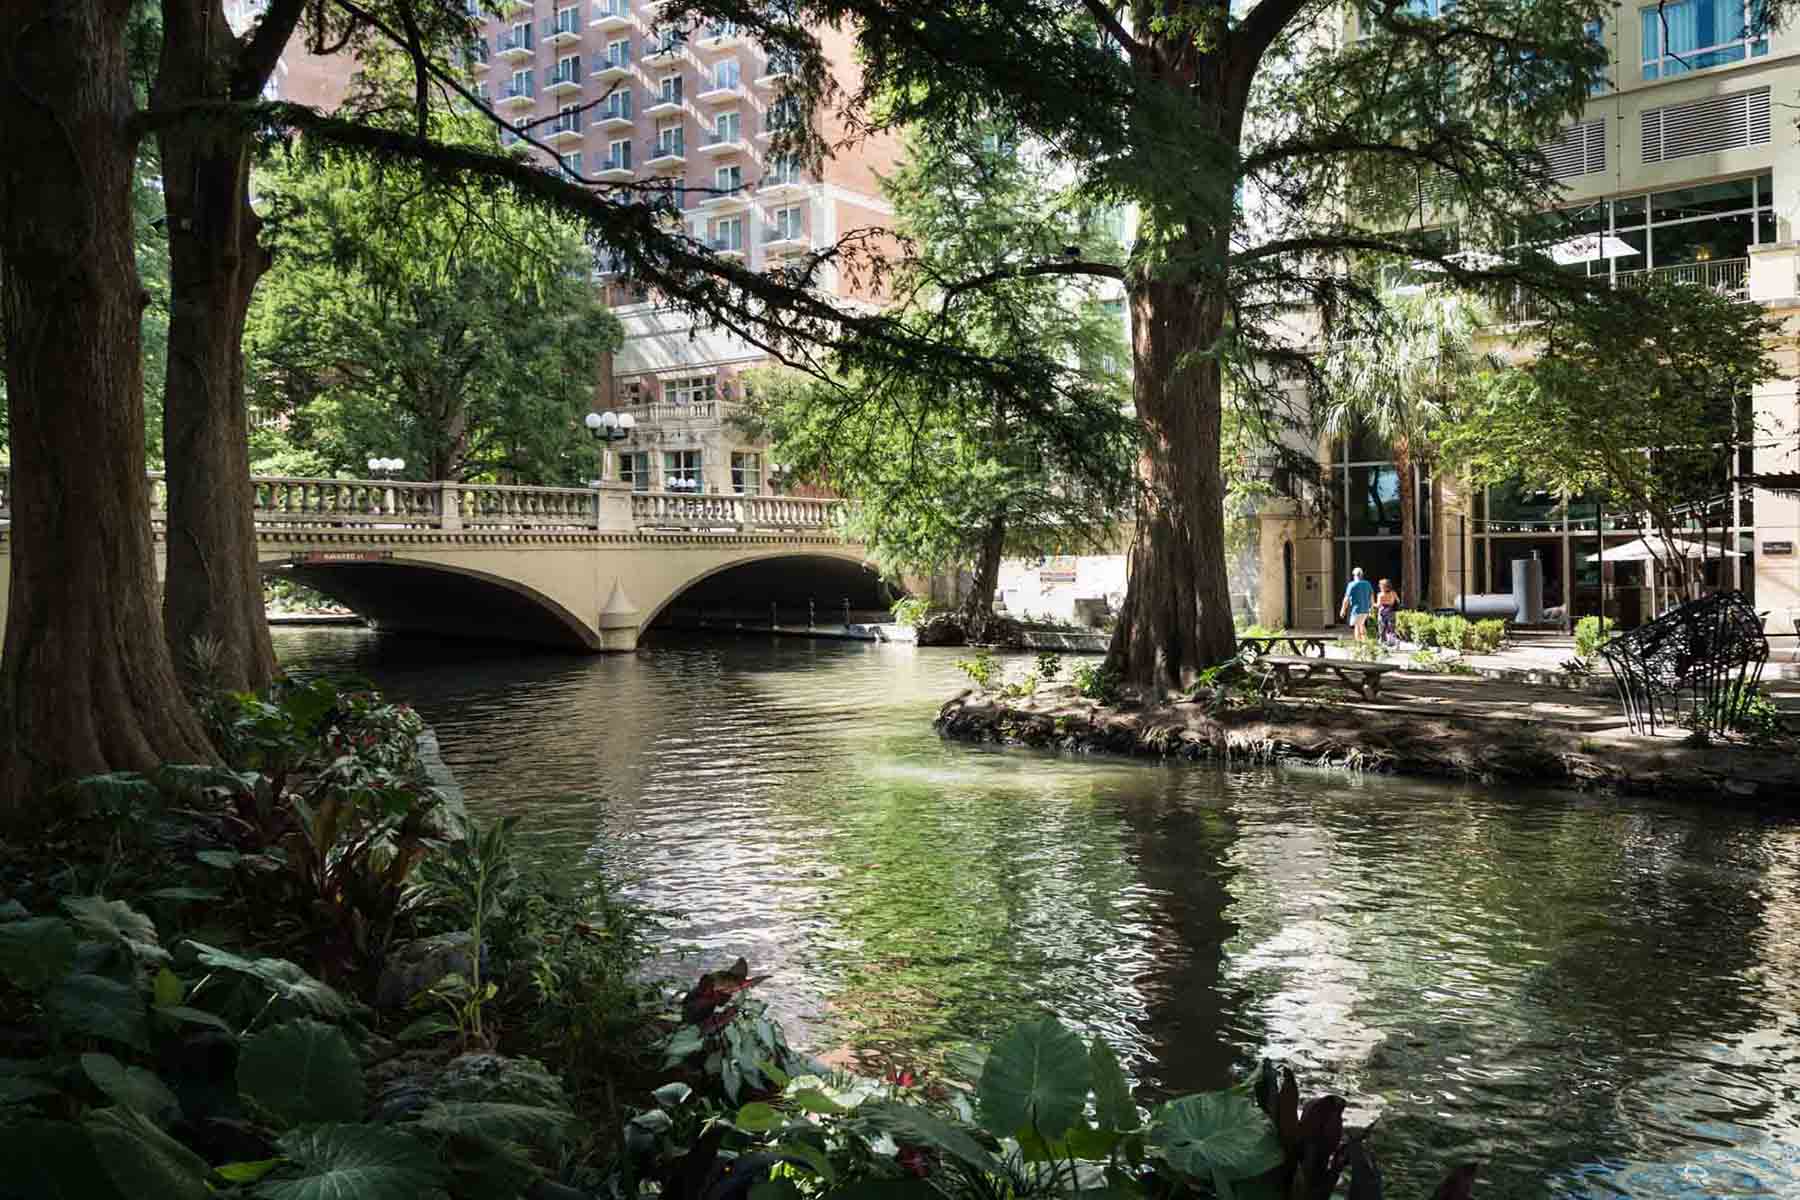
{"x": 982, "y": 670}
{"x": 352, "y": 1162}
{"x": 911, "y": 610}
{"x": 1591, "y": 633}
{"x": 1452, "y": 633}
{"x": 1415, "y": 626}
{"x": 1746, "y": 710}
{"x": 1049, "y": 665}
{"x": 1036, "y": 1080}
{"x": 461, "y": 337}
{"x": 1098, "y": 681}
{"x": 1486, "y": 636}
{"x": 474, "y": 875}
{"x": 301, "y": 1072}
{"x": 1633, "y": 395}
{"x": 1221, "y": 1136}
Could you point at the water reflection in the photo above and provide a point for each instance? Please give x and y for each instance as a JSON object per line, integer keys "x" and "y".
{"x": 1598, "y": 998}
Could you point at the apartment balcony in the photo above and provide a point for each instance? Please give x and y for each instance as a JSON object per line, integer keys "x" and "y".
{"x": 613, "y": 18}
{"x": 775, "y": 74}
{"x": 608, "y": 70}
{"x": 720, "y": 37}
{"x": 514, "y": 46}
{"x": 564, "y": 29}
{"x": 735, "y": 200}
{"x": 775, "y": 127}
{"x": 507, "y": 8}
{"x": 664, "y": 155}
{"x": 564, "y": 131}
{"x": 558, "y": 83}
{"x": 772, "y": 189}
{"x": 663, "y": 412}
{"x": 720, "y": 95}
{"x": 1727, "y": 276}
{"x": 783, "y": 241}
{"x": 732, "y": 248}
{"x": 474, "y": 59}
{"x": 613, "y": 119}
{"x": 614, "y": 170}
{"x": 666, "y": 53}
{"x": 515, "y": 97}
{"x": 729, "y": 143}
{"x": 666, "y": 104}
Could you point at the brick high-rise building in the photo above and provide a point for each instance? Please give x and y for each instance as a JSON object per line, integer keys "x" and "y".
{"x": 622, "y": 99}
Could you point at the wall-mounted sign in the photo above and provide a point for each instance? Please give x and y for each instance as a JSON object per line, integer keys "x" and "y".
{"x": 1778, "y": 548}
{"x": 314, "y": 558}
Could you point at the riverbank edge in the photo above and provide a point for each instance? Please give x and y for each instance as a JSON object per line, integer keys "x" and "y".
{"x": 1326, "y": 735}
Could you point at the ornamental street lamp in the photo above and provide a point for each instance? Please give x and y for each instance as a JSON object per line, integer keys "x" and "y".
{"x": 385, "y": 468}
{"x": 610, "y": 426}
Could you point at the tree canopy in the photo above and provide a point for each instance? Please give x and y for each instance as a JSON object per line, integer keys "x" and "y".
{"x": 463, "y": 338}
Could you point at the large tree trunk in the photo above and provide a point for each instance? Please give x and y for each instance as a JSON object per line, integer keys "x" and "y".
{"x": 1176, "y": 618}
{"x": 213, "y": 590}
{"x": 86, "y": 680}
{"x": 978, "y": 607}
{"x": 1410, "y": 583}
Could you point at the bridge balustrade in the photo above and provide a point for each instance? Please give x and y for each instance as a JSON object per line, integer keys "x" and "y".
{"x": 296, "y": 503}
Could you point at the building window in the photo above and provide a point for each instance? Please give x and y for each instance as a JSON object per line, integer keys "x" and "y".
{"x": 668, "y": 91}
{"x": 726, "y": 127}
{"x": 634, "y": 468}
{"x": 521, "y": 83}
{"x": 567, "y": 20}
{"x": 790, "y": 224}
{"x": 728, "y": 181}
{"x": 781, "y": 171}
{"x": 568, "y": 70}
{"x": 568, "y": 120}
{"x": 670, "y": 140}
{"x": 481, "y": 91}
{"x": 618, "y": 156}
{"x": 728, "y": 234}
{"x": 726, "y": 74}
{"x": 618, "y": 54}
{"x": 1699, "y": 234}
{"x": 681, "y": 470}
{"x": 1691, "y": 35}
{"x": 691, "y": 389}
{"x": 617, "y": 105}
{"x": 612, "y": 8}
{"x": 746, "y": 473}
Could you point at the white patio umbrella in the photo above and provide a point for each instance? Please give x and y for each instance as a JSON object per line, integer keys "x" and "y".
{"x": 1654, "y": 549}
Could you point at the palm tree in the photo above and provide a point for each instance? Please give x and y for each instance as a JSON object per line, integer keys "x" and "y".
{"x": 1399, "y": 379}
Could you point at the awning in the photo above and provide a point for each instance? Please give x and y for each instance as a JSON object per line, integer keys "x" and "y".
{"x": 1646, "y": 549}
{"x": 1774, "y": 481}
{"x": 1590, "y": 246}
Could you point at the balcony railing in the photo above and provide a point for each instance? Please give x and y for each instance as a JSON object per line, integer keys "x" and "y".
{"x": 1730, "y": 276}
{"x": 663, "y": 412}
{"x": 514, "y": 41}
{"x": 516, "y": 91}
{"x": 565, "y": 123}
{"x": 612, "y": 14}
{"x": 667, "y": 148}
{"x": 776, "y": 233}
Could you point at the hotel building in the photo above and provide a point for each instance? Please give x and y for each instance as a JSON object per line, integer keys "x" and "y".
{"x": 1685, "y": 165}
{"x": 622, "y": 98}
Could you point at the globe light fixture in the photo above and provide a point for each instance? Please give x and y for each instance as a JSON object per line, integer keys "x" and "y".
{"x": 610, "y": 426}
{"x": 385, "y": 468}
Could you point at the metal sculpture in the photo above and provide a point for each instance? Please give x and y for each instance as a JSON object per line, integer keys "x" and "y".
{"x": 1702, "y": 660}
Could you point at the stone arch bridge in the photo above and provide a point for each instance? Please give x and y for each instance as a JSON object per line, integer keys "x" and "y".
{"x": 573, "y": 568}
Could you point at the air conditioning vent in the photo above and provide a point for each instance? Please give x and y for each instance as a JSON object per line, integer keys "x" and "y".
{"x": 1577, "y": 150}
{"x": 1729, "y": 122}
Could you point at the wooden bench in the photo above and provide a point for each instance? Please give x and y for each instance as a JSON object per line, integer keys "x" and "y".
{"x": 1291, "y": 672}
{"x": 1296, "y": 643}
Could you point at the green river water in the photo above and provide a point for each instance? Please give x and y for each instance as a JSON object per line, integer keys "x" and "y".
{"x": 1594, "y": 996}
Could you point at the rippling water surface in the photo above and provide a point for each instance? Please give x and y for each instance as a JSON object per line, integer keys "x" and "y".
{"x": 1596, "y": 997}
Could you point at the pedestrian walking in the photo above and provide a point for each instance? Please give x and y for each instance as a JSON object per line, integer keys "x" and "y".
{"x": 1359, "y": 600}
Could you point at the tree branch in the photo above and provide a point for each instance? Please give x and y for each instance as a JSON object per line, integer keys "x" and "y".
{"x": 1098, "y": 270}
{"x": 257, "y": 60}
{"x": 1114, "y": 29}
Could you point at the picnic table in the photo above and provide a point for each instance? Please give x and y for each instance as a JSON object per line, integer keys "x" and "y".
{"x": 1296, "y": 643}
{"x": 1291, "y": 672}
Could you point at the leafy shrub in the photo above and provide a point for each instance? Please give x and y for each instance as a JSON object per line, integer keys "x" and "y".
{"x": 982, "y": 670}
{"x": 1744, "y": 710}
{"x": 1261, "y": 631}
{"x": 1415, "y": 626}
{"x": 1097, "y": 681}
{"x": 1486, "y": 636}
{"x": 911, "y": 610}
{"x": 1363, "y": 650}
{"x": 1451, "y": 633}
{"x": 1049, "y": 665}
{"x": 1591, "y": 633}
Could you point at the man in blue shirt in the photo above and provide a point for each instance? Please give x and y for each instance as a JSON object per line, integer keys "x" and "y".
{"x": 1359, "y": 599}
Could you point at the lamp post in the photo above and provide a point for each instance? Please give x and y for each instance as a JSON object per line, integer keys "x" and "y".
{"x": 385, "y": 468}
{"x": 607, "y": 428}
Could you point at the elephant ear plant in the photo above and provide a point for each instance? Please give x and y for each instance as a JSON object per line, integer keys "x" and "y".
{"x": 1049, "y": 1117}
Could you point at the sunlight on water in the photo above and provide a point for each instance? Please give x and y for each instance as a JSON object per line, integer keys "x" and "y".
{"x": 1596, "y": 997}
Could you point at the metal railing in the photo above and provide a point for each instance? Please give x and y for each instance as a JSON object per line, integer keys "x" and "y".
{"x": 1730, "y": 276}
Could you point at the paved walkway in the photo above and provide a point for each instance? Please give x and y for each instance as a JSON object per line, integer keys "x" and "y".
{"x": 1525, "y": 682}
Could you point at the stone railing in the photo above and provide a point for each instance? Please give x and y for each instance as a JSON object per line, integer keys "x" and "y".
{"x": 662, "y": 412}
{"x": 670, "y": 510}
{"x": 283, "y": 502}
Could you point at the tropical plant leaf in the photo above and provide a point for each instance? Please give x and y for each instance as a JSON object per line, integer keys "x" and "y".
{"x": 1113, "y": 1105}
{"x": 302, "y": 1073}
{"x": 133, "y": 1087}
{"x": 54, "y": 1160}
{"x": 1082, "y": 1141}
{"x": 144, "y": 1162}
{"x": 36, "y": 952}
{"x": 225, "y": 860}
{"x": 248, "y": 1172}
{"x": 192, "y": 1016}
{"x": 672, "y": 1095}
{"x": 281, "y": 977}
{"x": 1036, "y": 1078}
{"x": 1219, "y": 1137}
{"x": 116, "y": 791}
{"x": 353, "y": 1162}
{"x": 812, "y": 1100}
{"x": 757, "y": 1117}
{"x": 14, "y": 1088}
{"x": 94, "y": 1004}
{"x": 428, "y": 1026}
{"x": 12, "y": 910}
{"x": 185, "y": 894}
{"x": 528, "y": 1123}
{"x": 118, "y": 922}
{"x": 683, "y": 1042}
{"x": 815, "y": 1159}
{"x": 913, "y": 1124}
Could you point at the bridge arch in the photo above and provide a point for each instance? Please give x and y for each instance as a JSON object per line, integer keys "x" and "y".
{"x": 787, "y": 577}
{"x": 412, "y": 596}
